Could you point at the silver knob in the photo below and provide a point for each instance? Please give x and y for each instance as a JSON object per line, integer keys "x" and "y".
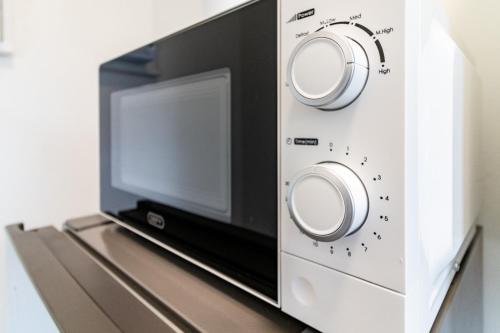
{"x": 327, "y": 71}
{"x": 327, "y": 201}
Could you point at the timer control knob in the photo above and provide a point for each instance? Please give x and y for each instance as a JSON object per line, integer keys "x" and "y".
{"x": 327, "y": 201}
{"x": 327, "y": 71}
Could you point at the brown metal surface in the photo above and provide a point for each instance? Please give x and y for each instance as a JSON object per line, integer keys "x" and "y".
{"x": 70, "y": 307}
{"x": 206, "y": 302}
{"x": 127, "y": 312}
{"x": 99, "y": 277}
{"x": 462, "y": 309}
{"x": 85, "y": 222}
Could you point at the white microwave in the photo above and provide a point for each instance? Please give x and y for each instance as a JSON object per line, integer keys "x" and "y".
{"x": 317, "y": 154}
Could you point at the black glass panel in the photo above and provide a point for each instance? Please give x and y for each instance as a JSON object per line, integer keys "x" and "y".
{"x": 189, "y": 142}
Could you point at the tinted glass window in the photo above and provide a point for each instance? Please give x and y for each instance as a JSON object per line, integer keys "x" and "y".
{"x": 189, "y": 134}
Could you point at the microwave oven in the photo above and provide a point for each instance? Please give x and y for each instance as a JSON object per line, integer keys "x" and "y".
{"x": 317, "y": 154}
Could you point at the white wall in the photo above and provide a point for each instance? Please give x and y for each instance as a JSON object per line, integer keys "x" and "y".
{"x": 216, "y": 6}
{"x": 475, "y": 25}
{"x": 49, "y": 96}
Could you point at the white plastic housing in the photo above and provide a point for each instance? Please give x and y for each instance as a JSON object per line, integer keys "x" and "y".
{"x": 409, "y": 136}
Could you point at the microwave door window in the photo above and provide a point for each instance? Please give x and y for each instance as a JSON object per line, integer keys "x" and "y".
{"x": 171, "y": 143}
{"x": 189, "y": 142}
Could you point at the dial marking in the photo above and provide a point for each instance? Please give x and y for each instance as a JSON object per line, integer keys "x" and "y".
{"x": 341, "y": 22}
{"x": 365, "y": 29}
{"x": 370, "y": 33}
{"x": 380, "y": 50}
{"x": 365, "y": 248}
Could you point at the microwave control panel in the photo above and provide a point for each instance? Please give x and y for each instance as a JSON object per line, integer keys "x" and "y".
{"x": 342, "y": 137}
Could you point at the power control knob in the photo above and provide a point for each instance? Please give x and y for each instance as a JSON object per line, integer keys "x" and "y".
{"x": 327, "y": 201}
{"x": 327, "y": 71}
